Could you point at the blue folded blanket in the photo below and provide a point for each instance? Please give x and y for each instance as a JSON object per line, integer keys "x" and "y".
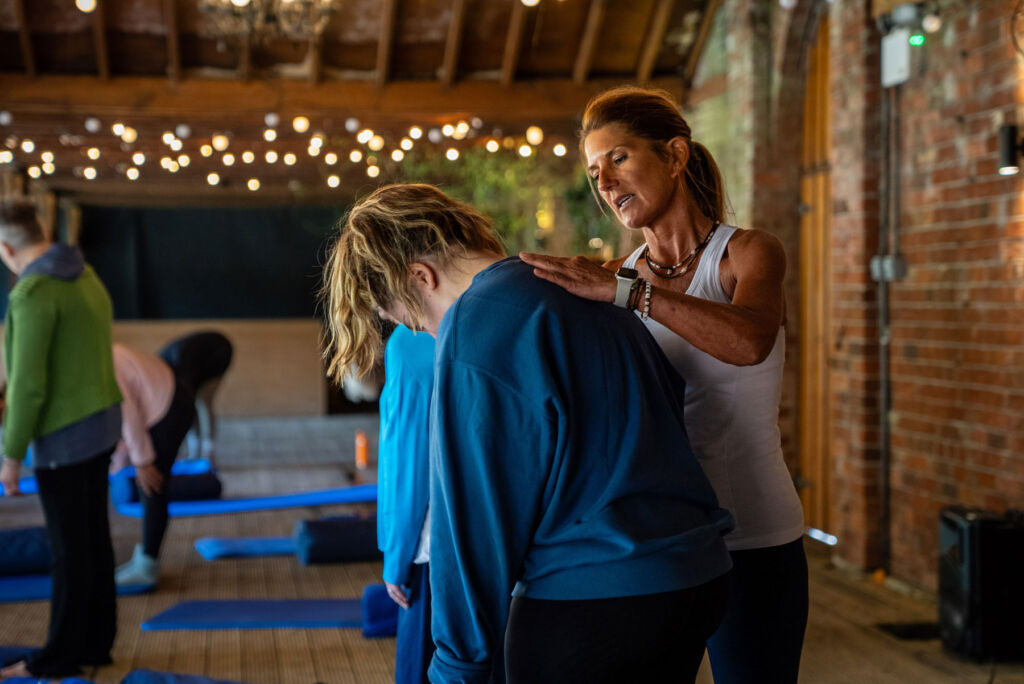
{"x": 24, "y": 551}
{"x": 325, "y": 497}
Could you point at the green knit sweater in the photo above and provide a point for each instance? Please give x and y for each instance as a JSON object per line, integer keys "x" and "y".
{"x": 57, "y": 350}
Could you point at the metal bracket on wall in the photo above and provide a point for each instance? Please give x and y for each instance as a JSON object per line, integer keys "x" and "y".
{"x": 888, "y": 267}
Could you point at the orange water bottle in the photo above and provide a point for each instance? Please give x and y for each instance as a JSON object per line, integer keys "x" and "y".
{"x": 362, "y": 455}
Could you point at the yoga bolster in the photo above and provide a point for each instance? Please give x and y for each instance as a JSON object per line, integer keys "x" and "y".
{"x": 193, "y": 487}
{"x": 24, "y": 551}
{"x": 336, "y": 540}
{"x": 380, "y": 612}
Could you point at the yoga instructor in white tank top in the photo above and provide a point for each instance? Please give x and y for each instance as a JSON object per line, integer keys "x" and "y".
{"x": 711, "y": 295}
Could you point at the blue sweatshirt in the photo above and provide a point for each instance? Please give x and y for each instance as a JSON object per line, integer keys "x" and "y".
{"x": 559, "y": 464}
{"x": 403, "y": 481}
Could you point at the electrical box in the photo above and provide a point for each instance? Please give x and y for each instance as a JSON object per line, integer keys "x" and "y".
{"x": 895, "y": 57}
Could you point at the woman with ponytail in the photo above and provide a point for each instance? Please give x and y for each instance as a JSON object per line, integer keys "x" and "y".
{"x": 711, "y": 295}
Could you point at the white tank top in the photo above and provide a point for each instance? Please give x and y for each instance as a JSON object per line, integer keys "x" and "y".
{"x": 732, "y": 418}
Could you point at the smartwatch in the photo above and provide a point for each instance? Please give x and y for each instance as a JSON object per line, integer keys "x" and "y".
{"x": 624, "y": 279}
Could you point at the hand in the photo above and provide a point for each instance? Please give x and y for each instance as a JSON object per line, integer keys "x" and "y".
{"x": 9, "y": 473}
{"x": 150, "y": 479}
{"x": 578, "y": 275}
{"x": 397, "y": 595}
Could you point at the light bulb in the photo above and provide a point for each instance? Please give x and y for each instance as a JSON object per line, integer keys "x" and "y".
{"x": 270, "y": 135}
{"x": 248, "y": 157}
{"x": 46, "y": 156}
{"x": 351, "y": 124}
{"x": 559, "y": 150}
{"x": 355, "y": 156}
{"x": 93, "y": 153}
{"x": 333, "y": 181}
{"x": 372, "y": 171}
{"x": 300, "y": 124}
{"x": 331, "y": 158}
{"x": 271, "y": 157}
{"x": 271, "y": 119}
{"x": 176, "y": 145}
{"x": 27, "y": 146}
{"x": 117, "y": 129}
{"x": 220, "y": 142}
{"x": 89, "y": 172}
{"x": 253, "y": 184}
{"x": 49, "y": 168}
{"x": 397, "y": 155}
{"x": 376, "y": 143}
{"x": 534, "y": 135}
{"x": 183, "y": 131}
{"x": 212, "y": 178}
{"x": 130, "y": 135}
{"x": 415, "y": 132}
{"x": 228, "y": 159}
{"x": 406, "y": 144}
{"x": 183, "y": 160}
{"x": 525, "y": 150}
{"x": 139, "y": 158}
{"x": 206, "y": 150}
{"x": 364, "y": 135}
{"x": 86, "y": 6}
{"x": 34, "y": 171}
{"x": 493, "y": 146}
{"x": 132, "y": 173}
{"x": 290, "y": 159}
{"x": 452, "y": 154}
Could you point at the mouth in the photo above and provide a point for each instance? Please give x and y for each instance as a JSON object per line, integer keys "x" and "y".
{"x": 622, "y": 201}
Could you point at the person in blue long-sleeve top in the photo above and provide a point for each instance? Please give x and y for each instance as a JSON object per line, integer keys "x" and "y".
{"x": 403, "y": 489}
{"x": 570, "y": 524}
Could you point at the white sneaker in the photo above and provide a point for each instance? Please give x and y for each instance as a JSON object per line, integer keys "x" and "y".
{"x": 140, "y": 570}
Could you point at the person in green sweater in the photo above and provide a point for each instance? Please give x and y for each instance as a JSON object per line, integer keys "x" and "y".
{"x": 63, "y": 399}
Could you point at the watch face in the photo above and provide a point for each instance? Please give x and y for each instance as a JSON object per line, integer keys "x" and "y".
{"x": 627, "y": 273}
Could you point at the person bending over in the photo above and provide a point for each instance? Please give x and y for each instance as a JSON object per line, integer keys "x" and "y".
{"x": 569, "y": 519}
{"x": 403, "y": 490}
{"x": 63, "y": 399}
{"x": 158, "y": 410}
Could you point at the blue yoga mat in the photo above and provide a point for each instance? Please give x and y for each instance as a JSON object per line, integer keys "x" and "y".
{"x": 380, "y": 612}
{"x": 36, "y": 680}
{"x": 28, "y": 485}
{"x": 258, "y": 614}
{"x": 324, "y": 497}
{"x": 212, "y": 548}
{"x": 153, "y": 677}
{"x": 13, "y": 654}
{"x": 37, "y": 588}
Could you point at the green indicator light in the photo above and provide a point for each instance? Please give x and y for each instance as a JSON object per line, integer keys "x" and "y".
{"x": 916, "y": 39}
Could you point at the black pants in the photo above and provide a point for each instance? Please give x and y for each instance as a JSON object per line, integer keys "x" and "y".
{"x": 652, "y": 639}
{"x": 167, "y": 436}
{"x": 83, "y": 607}
{"x": 762, "y": 635}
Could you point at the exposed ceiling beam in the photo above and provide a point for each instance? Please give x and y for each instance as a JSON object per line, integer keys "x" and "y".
{"x": 513, "y": 43}
{"x": 697, "y": 49}
{"x": 25, "y": 38}
{"x": 450, "y": 66}
{"x": 245, "y": 58}
{"x": 405, "y": 102}
{"x": 592, "y": 29}
{"x": 654, "y": 40}
{"x": 99, "y": 39}
{"x": 316, "y": 59}
{"x": 173, "y": 48}
{"x": 385, "y": 42}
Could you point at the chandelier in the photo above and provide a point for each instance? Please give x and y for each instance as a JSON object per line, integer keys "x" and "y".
{"x": 299, "y": 20}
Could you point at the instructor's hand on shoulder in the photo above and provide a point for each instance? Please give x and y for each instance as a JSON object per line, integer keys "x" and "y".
{"x": 578, "y": 275}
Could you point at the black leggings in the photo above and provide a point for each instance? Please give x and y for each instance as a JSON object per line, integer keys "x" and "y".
{"x": 652, "y": 638}
{"x": 167, "y": 436}
{"x": 83, "y": 608}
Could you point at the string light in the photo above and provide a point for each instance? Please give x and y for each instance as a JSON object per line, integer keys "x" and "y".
{"x": 317, "y": 140}
{"x": 271, "y": 119}
{"x": 228, "y": 159}
{"x": 212, "y": 178}
{"x": 165, "y": 162}
{"x": 535, "y": 135}
{"x": 559, "y": 150}
{"x": 117, "y": 129}
{"x": 333, "y": 181}
{"x": 376, "y": 143}
{"x": 452, "y": 154}
{"x": 27, "y": 146}
{"x": 206, "y": 150}
{"x": 271, "y": 157}
{"x": 132, "y": 173}
{"x": 270, "y": 135}
{"x": 86, "y": 6}
{"x": 130, "y": 135}
{"x": 173, "y": 166}
{"x": 300, "y": 124}
{"x": 183, "y": 160}
{"x": 167, "y": 137}
{"x": 248, "y": 157}
{"x": 220, "y": 142}
{"x": 34, "y": 171}
{"x": 405, "y": 144}
{"x": 351, "y": 124}
{"x": 447, "y": 130}
{"x": 46, "y": 156}
{"x": 93, "y": 153}
{"x": 183, "y": 131}
{"x": 290, "y": 159}
{"x": 355, "y": 156}
{"x": 253, "y": 184}
{"x": 89, "y": 172}
{"x": 397, "y": 155}
{"x": 525, "y": 150}
{"x": 139, "y": 158}
{"x": 49, "y": 168}
{"x": 92, "y": 124}
{"x": 313, "y": 151}
{"x": 372, "y": 171}
{"x": 176, "y": 145}
{"x": 331, "y": 158}
{"x": 493, "y": 146}
{"x": 415, "y": 132}
{"x": 6, "y": 157}
{"x": 365, "y": 135}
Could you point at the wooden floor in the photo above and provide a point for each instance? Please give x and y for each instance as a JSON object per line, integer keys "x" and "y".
{"x": 843, "y": 644}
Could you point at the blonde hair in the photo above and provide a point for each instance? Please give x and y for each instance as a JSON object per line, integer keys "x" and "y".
{"x": 368, "y": 266}
{"x": 652, "y": 114}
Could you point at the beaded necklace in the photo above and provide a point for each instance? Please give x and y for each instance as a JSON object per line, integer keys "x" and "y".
{"x": 670, "y": 272}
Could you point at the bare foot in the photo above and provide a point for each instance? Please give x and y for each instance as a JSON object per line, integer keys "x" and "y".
{"x": 18, "y": 669}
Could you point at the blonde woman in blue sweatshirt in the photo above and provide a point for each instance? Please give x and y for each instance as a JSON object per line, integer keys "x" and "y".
{"x": 570, "y": 524}
{"x": 403, "y": 490}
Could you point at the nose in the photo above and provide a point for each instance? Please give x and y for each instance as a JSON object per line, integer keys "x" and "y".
{"x": 606, "y": 179}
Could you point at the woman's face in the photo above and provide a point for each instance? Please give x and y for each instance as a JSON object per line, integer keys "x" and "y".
{"x": 632, "y": 179}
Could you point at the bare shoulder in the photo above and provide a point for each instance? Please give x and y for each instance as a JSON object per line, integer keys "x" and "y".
{"x": 754, "y": 249}
{"x": 615, "y": 264}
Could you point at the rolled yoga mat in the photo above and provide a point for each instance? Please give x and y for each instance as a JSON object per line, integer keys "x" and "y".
{"x": 185, "y": 487}
{"x": 214, "y": 548}
{"x": 259, "y": 614}
{"x": 24, "y": 551}
{"x": 358, "y": 494}
{"x": 38, "y": 587}
{"x": 27, "y": 484}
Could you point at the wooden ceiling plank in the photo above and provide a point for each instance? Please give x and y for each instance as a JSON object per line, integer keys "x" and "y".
{"x": 210, "y": 99}
{"x": 654, "y": 40}
{"x": 385, "y": 42}
{"x": 316, "y": 59}
{"x": 25, "y": 38}
{"x": 450, "y": 66}
{"x": 706, "y": 22}
{"x": 173, "y": 39}
{"x": 513, "y": 43}
{"x": 588, "y": 43}
{"x": 99, "y": 38}
{"x": 245, "y": 58}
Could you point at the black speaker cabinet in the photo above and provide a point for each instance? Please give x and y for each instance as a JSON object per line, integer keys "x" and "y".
{"x": 981, "y": 583}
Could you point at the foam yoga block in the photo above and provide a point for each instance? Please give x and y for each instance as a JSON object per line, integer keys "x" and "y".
{"x": 380, "y": 612}
{"x": 24, "y": 551}
{"x": 152, "y": 677}
{"x": 185, "y": 487}
{"x": 258, "y": 614}
{"x": 325, "y": 497}
{"x": 336, "y": 540}
{"x": 38, "y": 587}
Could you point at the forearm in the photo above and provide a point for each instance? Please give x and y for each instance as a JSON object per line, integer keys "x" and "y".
{"x": 730, "y": 333}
